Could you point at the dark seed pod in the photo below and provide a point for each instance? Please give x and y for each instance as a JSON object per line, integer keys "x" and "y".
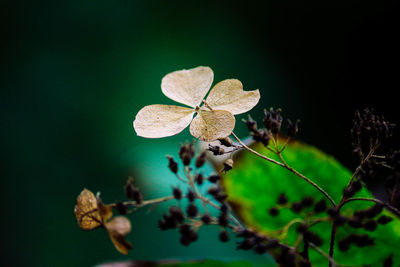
{"x": 273, "y": 211}
{"x": 292, "y": 128}
{"x": 282, "y": 199}
{"x": 190, "y": 195}
{"x": 228, "y": 165}
{"x": 355, "y": 223}
{"x": 177, "y": 214}
{"x": 301, "y": 228}
{"x": 307, "y": 202}
{"x": 132, "y": 192}
{"x": 313, "y": 238}
{"x": 224, "y": 236}
{"x": 221, "y": 197}
{"x": 206, "y": 218}
{"x": 383, "y": 219}
{"x": 214, "y": 190}
{"x": 214, "y": 178}
{"x": 246, "y": 244}
{"x": 216, "y": 150}
{"x": 177, "y": 193}
{"x": 320, "y": 206}
{"x": 340, "y": 220}
{"x": 224, "y": 208}
{"x": 121, "y": 208}
{"x": 344, "y": 245}
{"x": 223, "y": 220}
{"x": 200, "y": 160}
{"x": 332, "y": 212}
{"x": 388, "y": 262}
{"x": 370, "y": 225}
{"x": 226, "y": 141}
{"x": 172, "y": 165}
{"x": 296, "y": 207}
{"x": 251, "y": 124}
{"x": 199, "y": 179}
{"x": 192, "y": 210}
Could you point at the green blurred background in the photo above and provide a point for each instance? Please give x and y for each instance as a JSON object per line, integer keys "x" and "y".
{"x": 75, "y": 73}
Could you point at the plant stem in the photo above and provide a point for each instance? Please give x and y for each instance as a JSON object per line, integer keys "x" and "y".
{"x": 145, "y": 202}
{"x": 286, "y": 166}
{"x": 342, "y": 200}
{"x": 377, "y": 201}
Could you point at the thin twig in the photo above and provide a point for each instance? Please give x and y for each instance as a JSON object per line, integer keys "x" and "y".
{"x": 286, "y": 166}
{"x": 377, "y": 201}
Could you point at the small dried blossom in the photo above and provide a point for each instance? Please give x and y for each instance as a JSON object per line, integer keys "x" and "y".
{"x": 215, "y": 118}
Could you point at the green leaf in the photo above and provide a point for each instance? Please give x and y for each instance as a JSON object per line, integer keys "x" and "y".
{"x": 253, "y": 186}
{"x": 174, "y": 263}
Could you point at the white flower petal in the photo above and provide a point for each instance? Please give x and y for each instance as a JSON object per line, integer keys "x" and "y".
{"x": 211, "y": 125}
{"x": 156, "y": 121}
{"x": 188, "y": 87}
{"x": 229, "y": 95}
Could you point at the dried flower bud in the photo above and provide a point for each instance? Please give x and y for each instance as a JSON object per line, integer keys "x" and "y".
{"x": 214, "y": 178}
{"x": 199, "y": 179}
{"x": 251, "y": 124}
{"x": 370, "y": 225}
{"x": 216, "y": 150}
{"x": 191, "y": 195}
{"x": 307, "y": 202}
{"x": 224, "y": 236}
{"x": 200, "y": 160}
{"x": 320, "y": 206}
{"x": 121, "y": 208}
{"x": 388, "y": 262}
{"x": 223, "y": 220}
{"x": 177, "y": 193}
{"x": 226, "y": 141}
{"x": 214, "y": 190}
{"x": 206, "y": 218}
{"x": 228, "y": 165}
{"x": 177, "y": 214}
{"x": 172, "y": 165}
{"x": 186, "y": 153}
{"x": 273, "y": 211}
{"x": 296, "y": 207}
{"x": 192, "y": 210}
{"x": 132, "y": 192}
{"x": 282, "y": 199}
{"x": 292, "y": 128}
{"x": 384, "y": 219}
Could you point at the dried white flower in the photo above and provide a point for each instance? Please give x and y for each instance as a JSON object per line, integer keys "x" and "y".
{"x": 215, "y": 118}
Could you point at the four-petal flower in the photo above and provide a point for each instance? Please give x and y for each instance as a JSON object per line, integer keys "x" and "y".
{"x": 215, "y": 118}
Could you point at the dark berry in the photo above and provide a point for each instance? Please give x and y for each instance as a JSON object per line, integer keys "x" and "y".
{"x": 320, "y": 206}
{"x": 214, "y": 178}
{"x": 192, "y": 210}
{"x": 172, "y": 165}
{"x": 224, "y": 236}
{"x": 273, "y": 211}
{"x": 384, "y": 219}
{"x": 177, "y": 193}
{"x": 206, "y": 218}
{"x": 282, "y": 199}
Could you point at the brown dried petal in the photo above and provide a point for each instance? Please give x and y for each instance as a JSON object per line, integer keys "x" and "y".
{"x": 188, "y": 87}
{"x": 211, "y": 125}
{"x": 229, "y": 95}
{"x": 87, "y": 212}
{"x": 117, "y": 228}
{"x": 156, "y": 121}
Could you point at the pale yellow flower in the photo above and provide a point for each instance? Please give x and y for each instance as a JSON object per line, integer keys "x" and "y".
{"x": 215, "y": 117}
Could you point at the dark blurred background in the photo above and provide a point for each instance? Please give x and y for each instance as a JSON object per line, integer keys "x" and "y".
{"x": 75, "y": 73}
